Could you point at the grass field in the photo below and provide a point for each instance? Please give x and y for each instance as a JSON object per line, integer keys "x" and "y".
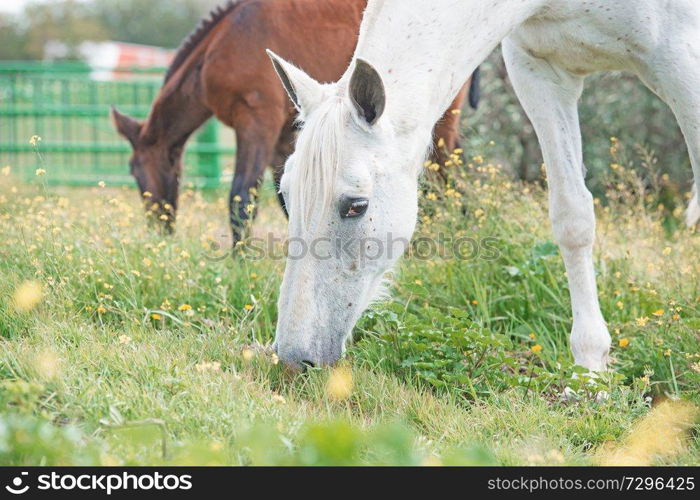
{"x": 118, "y": 346}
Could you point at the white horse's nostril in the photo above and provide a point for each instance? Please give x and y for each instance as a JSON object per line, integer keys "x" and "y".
{"x": 308, "y": 364}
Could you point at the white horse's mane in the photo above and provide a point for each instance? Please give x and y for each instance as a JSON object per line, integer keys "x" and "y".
{"x": 317, "y": 159}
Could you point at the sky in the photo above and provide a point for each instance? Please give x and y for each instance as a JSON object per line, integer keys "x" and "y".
{"x": 12, "y": 6}
{"x": 15, "y": 6}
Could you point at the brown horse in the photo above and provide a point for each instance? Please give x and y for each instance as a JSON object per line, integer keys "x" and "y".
{"x": 222, "y": 69}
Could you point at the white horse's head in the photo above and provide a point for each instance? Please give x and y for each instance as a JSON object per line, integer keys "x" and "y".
{"x": 351, "y": 192}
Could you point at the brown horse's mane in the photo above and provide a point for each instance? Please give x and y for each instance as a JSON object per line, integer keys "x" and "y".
{"x": 200, "y": 32}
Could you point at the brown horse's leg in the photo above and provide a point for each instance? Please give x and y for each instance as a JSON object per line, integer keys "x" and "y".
{"x": 256, "y": 136}
{"x": 447, "y": 133}
{"x": 284, "y": 148}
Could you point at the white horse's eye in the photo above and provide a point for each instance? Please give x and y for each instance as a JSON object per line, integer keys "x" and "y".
{"x": 350, "y": 208}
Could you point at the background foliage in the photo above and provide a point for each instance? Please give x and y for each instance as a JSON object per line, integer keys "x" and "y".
{"x": 613, "y": 105}
{"x": 156, "y": 22}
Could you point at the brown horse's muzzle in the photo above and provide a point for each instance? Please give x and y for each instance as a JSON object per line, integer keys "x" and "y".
{"x": 161, "y": 215}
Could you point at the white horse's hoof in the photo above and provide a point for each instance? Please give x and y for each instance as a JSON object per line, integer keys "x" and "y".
{"x": 570, "y": 394}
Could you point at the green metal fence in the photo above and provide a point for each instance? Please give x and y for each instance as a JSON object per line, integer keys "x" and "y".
{"x": 69, "y": 109}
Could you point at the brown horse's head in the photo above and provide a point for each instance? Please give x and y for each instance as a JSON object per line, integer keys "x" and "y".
{"x": 156, "y": 166}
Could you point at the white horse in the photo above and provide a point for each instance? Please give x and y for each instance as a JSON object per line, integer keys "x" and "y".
{"x": 352, "y": 181}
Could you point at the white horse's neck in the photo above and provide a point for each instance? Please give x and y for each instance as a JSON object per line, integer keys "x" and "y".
{"x": 426, "y": 50}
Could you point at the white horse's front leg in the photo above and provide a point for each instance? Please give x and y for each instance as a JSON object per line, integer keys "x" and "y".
{"x": 549, "y": 96}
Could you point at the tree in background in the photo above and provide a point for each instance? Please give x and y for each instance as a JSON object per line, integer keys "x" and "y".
{"x": 613, "y": 105}
{"x": 13, "y": 40}
{"x": 164, "y": 23}
{"x": 69, "y": 21}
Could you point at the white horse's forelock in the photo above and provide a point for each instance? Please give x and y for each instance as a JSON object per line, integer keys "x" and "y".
{"x": 317, "y": 159}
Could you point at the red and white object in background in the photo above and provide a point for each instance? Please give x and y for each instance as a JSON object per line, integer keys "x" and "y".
{"x": 111, "y": 59}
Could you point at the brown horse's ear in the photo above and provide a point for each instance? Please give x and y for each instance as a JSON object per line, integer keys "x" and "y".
{"x": 304, "y": 91}
{"x": 126, "y": 126}
{"x": 367, "y": 92}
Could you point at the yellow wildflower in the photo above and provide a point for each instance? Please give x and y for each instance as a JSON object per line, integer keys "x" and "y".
{"x": 624, "y": 342}
{"x": 205, "y": 366}
{"x": 537, "y": 348}
{"x": 48, "y": 365}
{"x": 641, "y": 322}
{"x": 339, "y": 384}
{"x": 659, "y": 436}
{"x": 431, "y": 461}
{"x": 27, "y": 296}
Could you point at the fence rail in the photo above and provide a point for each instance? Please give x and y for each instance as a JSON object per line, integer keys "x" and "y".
{"x": 67, "y": 105}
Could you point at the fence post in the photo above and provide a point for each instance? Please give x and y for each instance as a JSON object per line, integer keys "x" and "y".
{"x": 208, "y": 160}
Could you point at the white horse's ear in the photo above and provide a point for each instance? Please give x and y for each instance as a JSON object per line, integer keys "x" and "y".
{"x": 367, "y": 92}
{"x": 304, "y": 91}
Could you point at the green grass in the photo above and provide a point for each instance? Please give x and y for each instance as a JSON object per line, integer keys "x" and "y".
{"x": 151, "y": 350}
